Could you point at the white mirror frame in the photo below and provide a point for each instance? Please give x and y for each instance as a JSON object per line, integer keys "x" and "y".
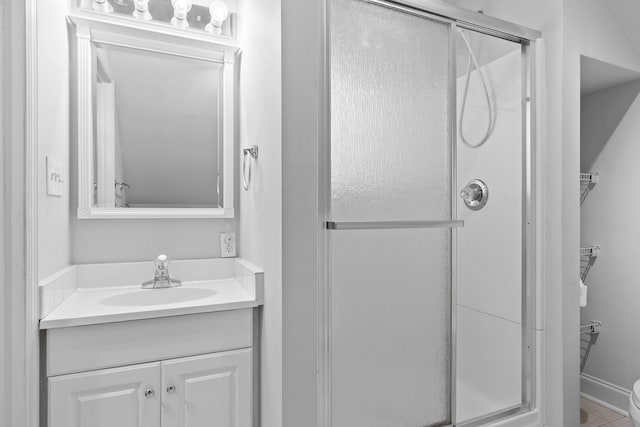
{"x": 105, "y": 32}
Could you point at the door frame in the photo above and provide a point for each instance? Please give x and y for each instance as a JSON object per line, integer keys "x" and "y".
{"x": 19, "y": 217}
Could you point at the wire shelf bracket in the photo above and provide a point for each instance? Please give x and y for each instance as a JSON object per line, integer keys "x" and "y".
{"x": 591, "y": 328}
{"x": 589, "y": 178}
{"x": 587, "y": 182}
{"x": 589, "y": 334}
{"x": 591, "y": 251}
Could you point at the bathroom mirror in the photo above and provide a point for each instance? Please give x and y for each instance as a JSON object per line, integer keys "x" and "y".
{"x": 155, "y": 124}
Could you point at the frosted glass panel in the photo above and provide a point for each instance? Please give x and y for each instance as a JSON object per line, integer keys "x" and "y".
{"x": 390, "y": 129}
{"x": 391, "y": 323}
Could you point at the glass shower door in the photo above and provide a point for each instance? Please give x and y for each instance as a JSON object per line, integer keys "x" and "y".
{"x": 491, "y": 307}
{"x": 389, "y": 241}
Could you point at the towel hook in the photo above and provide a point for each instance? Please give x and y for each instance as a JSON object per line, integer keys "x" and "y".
{"x": 246, "y": 176}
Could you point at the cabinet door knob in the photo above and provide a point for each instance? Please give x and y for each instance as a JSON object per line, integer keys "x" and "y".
{"x": 148, "y": 393}
{"x": 171, "y": 388}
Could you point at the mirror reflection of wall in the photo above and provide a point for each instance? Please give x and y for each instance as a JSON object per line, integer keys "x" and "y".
{"x": 157, "y": 133}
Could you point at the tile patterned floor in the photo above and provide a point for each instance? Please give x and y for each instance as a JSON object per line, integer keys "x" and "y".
{"x": 594, "y": 415}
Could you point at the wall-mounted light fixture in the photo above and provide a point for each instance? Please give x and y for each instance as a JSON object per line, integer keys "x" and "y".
{"x": 180, "y": 10}
{"x": 102, "y": 6}
{"x": 141, "y": 10}
{"x": 219, "y": 12}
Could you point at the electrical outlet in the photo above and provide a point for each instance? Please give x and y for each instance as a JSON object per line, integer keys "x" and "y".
{"x": 227, "y": 244}
{"x": 54, "y": 177}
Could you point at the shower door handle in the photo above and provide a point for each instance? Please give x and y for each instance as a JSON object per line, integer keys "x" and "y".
{"x": 381, "y": 225}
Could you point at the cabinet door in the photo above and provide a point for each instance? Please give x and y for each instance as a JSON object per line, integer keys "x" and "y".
{"x": 213, "y": 390}
{"x": 122, "y": 397}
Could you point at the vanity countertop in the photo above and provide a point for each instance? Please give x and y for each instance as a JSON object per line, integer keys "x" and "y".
{"x": 89, "y": 305}
{"x": 117, "y": 304}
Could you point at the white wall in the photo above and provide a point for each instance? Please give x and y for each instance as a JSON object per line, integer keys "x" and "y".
{"x": 600, "y": 115}
{"x": 96, "y": 241}
{"x": 65, "y": 239}
{"x": 592, "y": 28}
{"x": 260, "y": 213}
{"x": 54, "y": 236}
{"x": 4, "y": 212}
{"x": 595, "y": 30}
{"x": 301, "y": 130}
{"x": 609, "y": 218}
{"x": 139, "y": 240}
{"x": 600, "y": 34}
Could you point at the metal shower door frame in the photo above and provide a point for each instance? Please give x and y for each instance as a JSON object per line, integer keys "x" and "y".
{"x": 456, "y": 18}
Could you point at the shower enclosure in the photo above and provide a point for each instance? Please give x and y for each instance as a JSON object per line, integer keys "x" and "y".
{"x": 427, "y": 308}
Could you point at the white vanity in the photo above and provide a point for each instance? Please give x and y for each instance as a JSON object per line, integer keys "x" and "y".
{"x": 120, "y": 355}
{"x": 155, "y": 140}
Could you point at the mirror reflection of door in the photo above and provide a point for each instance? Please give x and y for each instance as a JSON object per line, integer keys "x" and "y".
{"x": 109, "y": 153}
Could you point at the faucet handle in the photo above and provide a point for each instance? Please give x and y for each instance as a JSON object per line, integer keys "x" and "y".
{"x": 161, "y": 278}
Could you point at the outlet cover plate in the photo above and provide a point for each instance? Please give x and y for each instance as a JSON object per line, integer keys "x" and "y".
{"x": 228, "y": 244}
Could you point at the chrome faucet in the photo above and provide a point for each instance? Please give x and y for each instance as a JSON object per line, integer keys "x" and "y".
{"x": 161, "y": 278}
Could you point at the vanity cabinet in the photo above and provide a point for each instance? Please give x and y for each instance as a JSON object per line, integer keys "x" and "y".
{"x": 106, "y": 398}
{"x": 208, "y": 390}
{"x": 179, "y": 371}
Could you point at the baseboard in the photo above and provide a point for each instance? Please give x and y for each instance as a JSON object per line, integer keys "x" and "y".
{"x": 606, "y": 394}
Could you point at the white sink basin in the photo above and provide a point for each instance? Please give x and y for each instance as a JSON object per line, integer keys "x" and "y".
{"x": 147, "y": 297}
{"x": 104, "y": 293}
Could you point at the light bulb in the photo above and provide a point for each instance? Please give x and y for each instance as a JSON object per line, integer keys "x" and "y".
{"x": 102, "y": 6}
{"x": 219, "y": 12}
{"x": 141, "y": 10}
{"x": 180, "y": 10}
